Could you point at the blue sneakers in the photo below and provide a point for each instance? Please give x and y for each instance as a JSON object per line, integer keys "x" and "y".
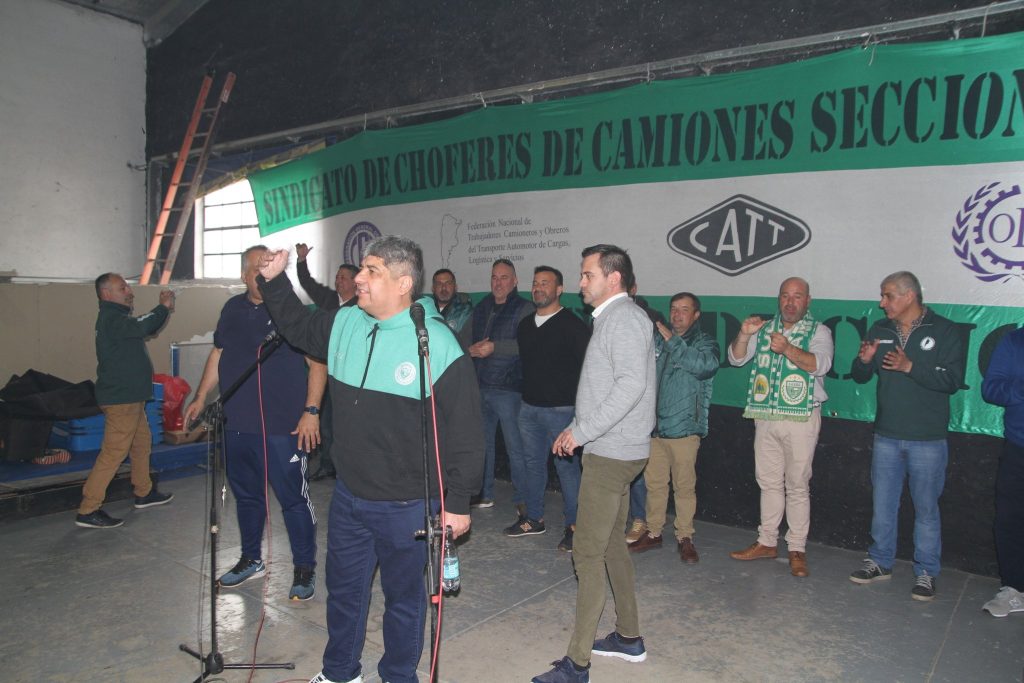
{"x": 243, "y": 571}
{"x": 564, "y": 672}
{"x": 613, "y": 645}
{"x": 302, "y": 584}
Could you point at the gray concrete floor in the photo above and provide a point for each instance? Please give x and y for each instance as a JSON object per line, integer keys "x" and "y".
{"x": 113, "y": 605}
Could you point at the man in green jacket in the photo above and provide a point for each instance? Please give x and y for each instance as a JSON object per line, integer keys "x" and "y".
{"x": 124, "y": 383}
{"x": 687, "y": 359}
{"x": 919, "y": 358}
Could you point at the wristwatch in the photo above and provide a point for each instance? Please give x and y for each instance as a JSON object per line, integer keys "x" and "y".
{"x": 312, "y": 410}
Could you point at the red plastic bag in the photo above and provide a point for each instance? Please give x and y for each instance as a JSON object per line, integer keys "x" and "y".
{"x": 176, "y": 390}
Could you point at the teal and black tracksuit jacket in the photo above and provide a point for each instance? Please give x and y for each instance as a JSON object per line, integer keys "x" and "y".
{"x": 373, "y": 379}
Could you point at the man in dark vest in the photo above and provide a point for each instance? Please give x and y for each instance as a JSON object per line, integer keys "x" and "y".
{"x": 490, "y": 338}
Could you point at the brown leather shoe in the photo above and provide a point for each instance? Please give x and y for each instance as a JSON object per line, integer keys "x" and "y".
{"x": 645, "y": 542}
{"x": 687, "y": 553}
{"x": 798, "y": 563}
{"x": 755, "y": 551}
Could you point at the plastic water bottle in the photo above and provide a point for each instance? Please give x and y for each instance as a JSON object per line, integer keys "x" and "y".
{"x": 450, "y": 576}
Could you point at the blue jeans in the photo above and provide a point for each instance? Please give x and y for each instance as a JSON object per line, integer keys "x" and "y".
{"x": 287, "y": 476}
{"x": 638, "y": 498}
{"x": 923, "y": 464}
{"x": 499, "y": 405}
{"x": 360, "y": 535}
{"x": 539, "y": 428}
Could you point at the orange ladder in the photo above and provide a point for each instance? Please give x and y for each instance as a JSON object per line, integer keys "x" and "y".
{"x": 183, "y": 208}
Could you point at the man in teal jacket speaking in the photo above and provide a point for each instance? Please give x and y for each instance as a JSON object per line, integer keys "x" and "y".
{"x": 377, "y": 506}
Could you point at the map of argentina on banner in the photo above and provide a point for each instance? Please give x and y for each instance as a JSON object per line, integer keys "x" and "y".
{"x": 840, "y": 169}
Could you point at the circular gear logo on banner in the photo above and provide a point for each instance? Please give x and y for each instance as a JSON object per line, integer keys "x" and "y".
{"x": 359, "y": 235}
{"x": 988, "y": 233}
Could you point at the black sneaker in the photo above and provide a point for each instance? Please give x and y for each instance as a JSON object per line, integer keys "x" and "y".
{"x": 152, "y": 499}
{"x": 97, "y": 520}
{"x": 302, "y": 584}
{"x": 870, "y": 573}
{"x": 527, "y": 527}
{"x": 566, "y": 542}
{"x": 924, "y": 588}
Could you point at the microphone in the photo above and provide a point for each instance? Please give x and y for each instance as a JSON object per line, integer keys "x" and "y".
{"x": 417, "y": 314}
{"x": 272, "y": 337}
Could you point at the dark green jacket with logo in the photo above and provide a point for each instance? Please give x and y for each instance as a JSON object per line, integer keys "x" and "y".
{"x": 124, "y": 373}
{"x": 686, "y": 371}
{"x": 914, "y": 406}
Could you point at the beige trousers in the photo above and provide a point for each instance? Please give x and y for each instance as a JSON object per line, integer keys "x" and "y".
{"x": 672, "y": 460}
{"x": 783, "y": 453}
{"x": 125, "y": 433}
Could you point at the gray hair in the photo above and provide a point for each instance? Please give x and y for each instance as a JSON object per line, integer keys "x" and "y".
{"x": 245, "y": 254}
{"x": 402, "y": 256}
{"x": 906, "y": 281}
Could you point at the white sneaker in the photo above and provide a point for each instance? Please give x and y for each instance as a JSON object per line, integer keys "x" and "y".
{"x": 1007, "y": 600}
{"x": 320, "y": 678}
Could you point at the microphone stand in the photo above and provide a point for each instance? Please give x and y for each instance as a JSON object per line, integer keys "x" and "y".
{"x": 433, "y": 530}
{"x": 213, "y": 416}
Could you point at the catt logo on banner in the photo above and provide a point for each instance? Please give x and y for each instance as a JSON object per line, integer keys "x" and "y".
{"x": 739, "y": 234}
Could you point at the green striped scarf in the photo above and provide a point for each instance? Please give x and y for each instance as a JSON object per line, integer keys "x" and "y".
{"x": 779, "y": 390}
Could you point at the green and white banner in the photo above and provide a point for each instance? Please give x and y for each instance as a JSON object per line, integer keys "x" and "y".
{"x": 840, "y": 169}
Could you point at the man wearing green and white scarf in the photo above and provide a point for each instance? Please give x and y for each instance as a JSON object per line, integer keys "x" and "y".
{"x": 792, "y": 353}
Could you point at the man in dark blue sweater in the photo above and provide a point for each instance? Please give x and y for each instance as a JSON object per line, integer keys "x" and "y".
{"x": 552, "y": 344}
{"x": 1004, "y": 386}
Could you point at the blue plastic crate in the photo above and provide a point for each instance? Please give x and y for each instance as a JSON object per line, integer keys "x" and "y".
{"x": 86, "y": 434}
{"x": 77, "y": 443}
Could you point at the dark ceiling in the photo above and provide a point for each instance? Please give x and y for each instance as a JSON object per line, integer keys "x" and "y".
{"x": 158, "y": 18}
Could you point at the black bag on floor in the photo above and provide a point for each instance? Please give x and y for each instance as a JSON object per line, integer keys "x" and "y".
{"x": 37, "y": 394}
{"x": 30, "y": 403}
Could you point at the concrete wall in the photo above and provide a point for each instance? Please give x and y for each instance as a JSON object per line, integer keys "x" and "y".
{"x": 72, "y": 119}
{"x": 51, "y": 327}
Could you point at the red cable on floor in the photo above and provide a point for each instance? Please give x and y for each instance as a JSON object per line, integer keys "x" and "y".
{"x": 440, "y": 490}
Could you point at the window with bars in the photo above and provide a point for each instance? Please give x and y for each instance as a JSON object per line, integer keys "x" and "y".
{"x": 226, "y": 225}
